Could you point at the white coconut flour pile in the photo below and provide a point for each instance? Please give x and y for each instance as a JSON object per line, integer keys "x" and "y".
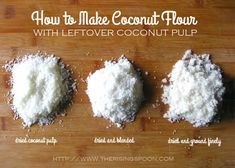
{"x": 194, "y": 90}
{"x": 115, "y": 91}
{"x": 41, "y": 88}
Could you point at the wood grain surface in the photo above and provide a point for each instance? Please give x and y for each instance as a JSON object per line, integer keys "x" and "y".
{"x": 157, "y": 55}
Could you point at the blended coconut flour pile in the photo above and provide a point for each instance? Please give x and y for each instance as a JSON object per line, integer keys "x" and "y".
{"x": 41, "y": 88}
{"x": 194, "y": 91}
{"x": 115, "y": 91}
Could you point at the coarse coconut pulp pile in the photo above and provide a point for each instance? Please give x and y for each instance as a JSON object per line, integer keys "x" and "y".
{"x": 41, "y": 88}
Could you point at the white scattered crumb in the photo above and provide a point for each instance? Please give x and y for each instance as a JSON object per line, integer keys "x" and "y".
{"x": 154, "y": 106}
{"x": 109, "y": 126}
{"x": 60, "y": 122}
{"x": 63, "y": 114}
{"x": 164, "y": 80}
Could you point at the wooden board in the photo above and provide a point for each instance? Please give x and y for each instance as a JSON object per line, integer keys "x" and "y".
{"x": 157, "y": 55}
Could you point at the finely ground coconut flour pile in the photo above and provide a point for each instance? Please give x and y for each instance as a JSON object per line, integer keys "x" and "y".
{"x": 115, "y": 91}
{"x": 194, "y": 91}
{"x": 41, "y": 88}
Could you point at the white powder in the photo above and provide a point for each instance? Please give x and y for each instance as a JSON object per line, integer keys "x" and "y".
{"x": 40, "y": 86}
{"x": 194, "y": 91}
{"x": 115, "y": 91}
